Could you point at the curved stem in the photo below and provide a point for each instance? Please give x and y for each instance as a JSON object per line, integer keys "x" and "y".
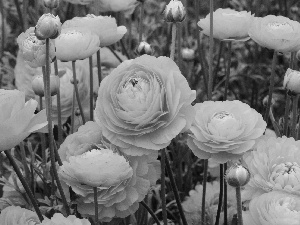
{"x": 271, "y": 87}
{"x": 99, "y": 67}
{"x": 227, "y": 70}
{"x": 239, "y": 206}
{"x": 174, "y": 31}
{"x": 91, "y": 89}
{"x": 96, "y": 205}
{"x": 115, "y": 54}
{"x": 141, "y": 22}
{"x": 59, "y": 123}
{"x": 24, "y": 183}
{"x": 175, "y": 191}
{"x": 77, "y": 92}
{"x": 163, "y": 186}
{"x": 220, "y": 194}
{"x": 151, "y": 212}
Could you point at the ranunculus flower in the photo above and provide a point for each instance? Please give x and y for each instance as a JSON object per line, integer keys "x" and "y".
{"x": 33, "y": 49}
{"x": 15, "y": 215}
{"x": 276, "y": 32}
{"x": 224, "y": 130}
{"x": 274, "y": 208}
{"x": 104, "y": 26}
{"x": 59, "y": 219}
{"x": 143, "y": 104}
{"x": 228, "y": 24}
{"x": 274, "y": 164}
{"x": 123, "y": 181}
{"x": 291, "y": 81}
{"x": 116, "y": 5}
{"x": 76, "y": 43}
{"x": 17, "y": 118}
{"x": 192, "y": 205}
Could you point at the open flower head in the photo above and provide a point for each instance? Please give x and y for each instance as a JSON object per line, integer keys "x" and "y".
{"x": 274, "y": 164}
{"x": 122, "y": 181}
{"x": 276, "y": 32}
{"x": 104, "y": 26}
{"x": 143, "y": 104}
{"x": 33, "y": 49}
{"x": 229, "y": 25}
{"x": 273, "y": 208}
{"x": 17, "y": 118}
{"x": 76, "y": 43}
{"x": 15, "y": 215}
{"x": 59, "y": 219}
{"x": 224, "y": 130}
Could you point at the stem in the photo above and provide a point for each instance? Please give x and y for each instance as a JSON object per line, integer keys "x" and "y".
{"x": 124, "y": 49}
{"x": 295, "y": 116}
{"x": 99, "y": 67}
{"x": 59, "y": 123}
{"x": 163, "y": 186}
{"x": 179, "y": 57}
{"x": 227, "y": 70}
{"x": 277, "y": 131}
{"x": 115, "y": 54}
{"x": 151, "y": 212}
{"x": 220, "y": 194}
{"x": 25, "y": 13}
{"x": 239, "y": 206}
{"x": 91, "y": 89}
{"x": 286, "y": 114}
{"x": 77, "y": 92}
{"x": 24, "y": 161}
{"x": 20, "y": 14}
{"x": 292, "y": 60}
{"x": 205, "y": 167}
{"x": 174, "y": 30}
{"x": 211, "y": 48}
{"x": 141, "y": 22}
{"x": 271, "y": 87}
{"x": 73, "y": 111}
{"x": 96, "y": 205}
{"x": 50, "y": 130}
{"x": 24, "y": 183}
{"x": 175, "y": 191}
{"x": 2, "y": 31}
{"x": 225, "y": 197}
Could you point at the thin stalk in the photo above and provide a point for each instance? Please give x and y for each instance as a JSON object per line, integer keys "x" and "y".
{"x": 115, "y": 54}
{"x": 163, "y": 186}
{"x": 227, "y": 70}
{"x": 25, "y": 185}
{"x": 25, "y": 14}
{"x": 73, "y": 111}
{"x": 292, "y": 60}
{"x": 124, "y": 49}
{"x": 277, "y": 131}
{"x": 50, "y": 130}
{"x": 2, "y": 31}
{"x": 174, "y": 30}
{"x": 151, "y": 212}
{"x": 271, "y": 87}
{"x": 220, "y": 194}
{"x": 239, "y": 206}
{"x": 179, "y": 56}
{"x": 211, "y": 49}
{"x": 99, "y": 67}
{"x": 286, "y": 113}
{"x": 96, "y": 205}
{"x": 203, "y": 211}
{"x": 59, "y": 123}
{"x": 141, "y": 22}
{"x": 175, "y": 191}
{"x": 91, "y": 89}
{"x": 77, "y": 92}
{"x": 225, "y": 198}
{"x": 20, "y": 14}
{"x": 24, "y": 161}
{"x": 295, "y": 115}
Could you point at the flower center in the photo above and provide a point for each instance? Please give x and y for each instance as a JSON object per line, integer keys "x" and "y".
{"x": 286, "y": 174}
{"x": 281, "y": 26}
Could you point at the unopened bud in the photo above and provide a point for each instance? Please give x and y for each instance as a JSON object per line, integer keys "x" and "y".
{"x": 188, "y": 54}
{"x": 266, "y": 99}
{"x": 237, "y": 175}
{"x": 51, "y": 4}
{"x": 144, "y": 48}
{"x": 48, "y": 26}
{"x": 291, "y": 81}
{"x": 174, "y": 12}
{"x": 38, "y": 85}
{"x": 72, "y": 80}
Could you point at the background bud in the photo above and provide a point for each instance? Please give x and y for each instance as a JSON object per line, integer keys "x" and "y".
{"x": 291, "y": 81}
{"x": 48, "y": 26}
{"x": 174, "y": 12}
{"x": 265, "y": 101}
{"x": 237, "y": 175}
{"x": 38, "y": 85}
{"x": 51, "y": 4}
{"x": 144, "y": 48}
{"x": 188, "y": 54}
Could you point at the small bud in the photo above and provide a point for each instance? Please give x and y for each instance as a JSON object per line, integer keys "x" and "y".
{"x": 51, "y": 4}
{"x": 48, "y": 26}
{"x": 291, "y": 81}
{"x": 188, "y": 54}
{"x": 266, "y": 99}
{"x": 38, "y": 85}
{"x": 77, "y": 112}
{"x": 174, "y": 12}
{"x": 237, "y": 175}
{"x": 72, "y": 80}
{"x": 144, "y": 48}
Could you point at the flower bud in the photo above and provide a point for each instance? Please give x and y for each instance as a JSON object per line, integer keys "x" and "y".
{"x": 51, "y": 4}
{"x": 48, "y": 26}
{"x": 174, "y": 12}
{"x": 237, "y": 175}
{"x": 38, "y": 85}
{"x": 144, "y": 48}
{"x": 291, "y": 81}
{"x": 266, "y": 99}
{"x": 188, "y": 54}
{"x": 72, "y": 80}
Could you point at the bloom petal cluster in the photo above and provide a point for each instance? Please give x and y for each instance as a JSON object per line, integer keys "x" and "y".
{"x": 276, "y": 32}
{"x": 122, "y": 181}
{"x": 224, "y": 130}
{"x": 33, "y": 49}
{"x": 17, "y": 118}
{"x": 104, "y": 26}
{"x": 274, "y": 165}
{"x": 127, "y": 6}
{"x": 15, "y": 215}
{"x": 59, "y": 219}
{"x": 276, "y": 208}
{"x": 143, "y": 104}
